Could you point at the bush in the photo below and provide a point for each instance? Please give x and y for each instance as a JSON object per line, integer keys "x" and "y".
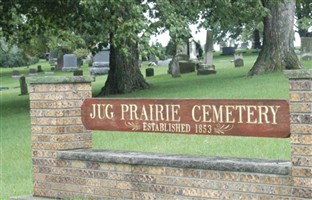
{"x": 16, "y": 59}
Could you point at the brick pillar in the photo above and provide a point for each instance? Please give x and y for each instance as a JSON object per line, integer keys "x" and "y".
{"x": 300, "y": 86}
{"x": 56, "y": 125}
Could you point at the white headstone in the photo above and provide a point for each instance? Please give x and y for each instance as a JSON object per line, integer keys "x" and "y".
{"x": 208, "y": 58}
{"x": 193, "y": 55}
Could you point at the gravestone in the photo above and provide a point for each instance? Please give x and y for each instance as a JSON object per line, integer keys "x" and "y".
{"x": 306, "y": 48}
{"x": 149, "y": 72}
{"x": 181, "y": 64}
{"x": 256, "y": 44}
{"x": 228, "y": 51}
{"x": 187, "y": 66}
{"x": 244, "y": 45}
{"x": 69, "y": 62}
{"x": 207, "y": 67}
{"x": 23, "y": 85}
{"x": 100, "y": 64}
{"x": 39, "y": 69}
{"x": 238, "y": 60}
{"x": 3, "y": 88}
{"x": 193, "y": 53}
{"x": 32, "y": 72}
{"x": 53, "y": 58}
{"x": 78, "y": 73}
{"x": 16, "y": 74}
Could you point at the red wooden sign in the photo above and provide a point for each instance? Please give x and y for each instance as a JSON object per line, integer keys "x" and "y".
{"x": 260, "y": 118}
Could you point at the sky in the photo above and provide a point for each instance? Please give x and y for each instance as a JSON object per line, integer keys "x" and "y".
{"x": 200, "y": 35}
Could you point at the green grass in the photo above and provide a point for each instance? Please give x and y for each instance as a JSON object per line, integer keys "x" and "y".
{"x": 229, "y": 82}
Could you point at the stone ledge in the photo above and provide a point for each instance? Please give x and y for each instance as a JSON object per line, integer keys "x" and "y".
{"x": 298, "y": 74}
{"x": 181, "y": 161}
{"x": 29, "y": 197}
{"x": 60, "y": 79}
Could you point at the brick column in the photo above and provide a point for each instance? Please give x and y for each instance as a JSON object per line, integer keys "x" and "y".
{"x": 300, "y": 86}
{"x": 56, "y": 125}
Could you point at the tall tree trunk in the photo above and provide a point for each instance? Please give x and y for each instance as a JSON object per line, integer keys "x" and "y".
{"x": 277, "y": 52}
{"x": 124, "y": 75}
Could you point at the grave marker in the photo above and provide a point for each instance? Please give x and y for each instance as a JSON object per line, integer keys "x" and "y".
{"x": 238, "y": 60}
{"x": 32, "y": 72}
{"x": 70, "y": 62}
{"x": 306, "y": 48}
{"x": 100, "y": 64}
{"x": 207, "y": 67}
{"x": 16, "y": 74}
{"x": 23, "y": 85}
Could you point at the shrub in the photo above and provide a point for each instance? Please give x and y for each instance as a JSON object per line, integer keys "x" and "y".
{"x": 16, "y": 59}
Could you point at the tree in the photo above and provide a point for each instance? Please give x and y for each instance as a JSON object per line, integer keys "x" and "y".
{"x": 277, "y": 52}
{"x": 118, "y": 24}
{"x": 304, "y": 17}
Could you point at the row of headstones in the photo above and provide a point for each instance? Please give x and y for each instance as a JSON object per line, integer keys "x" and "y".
{"x": 180, "y": 64}
{"x": 32, "y": 72}
{"x": 70, "y": 61}
{"x": 23, "y": 84}
{"x": 70, "y": 64}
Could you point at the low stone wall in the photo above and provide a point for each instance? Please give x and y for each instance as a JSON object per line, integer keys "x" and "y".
{"x": 65, "y": 166}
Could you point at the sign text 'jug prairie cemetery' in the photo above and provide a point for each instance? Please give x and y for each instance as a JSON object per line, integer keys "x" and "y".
{"x": 241, "y": 117}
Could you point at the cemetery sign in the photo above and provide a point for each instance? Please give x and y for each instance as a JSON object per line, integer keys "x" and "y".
{"x": 237, "y": 117}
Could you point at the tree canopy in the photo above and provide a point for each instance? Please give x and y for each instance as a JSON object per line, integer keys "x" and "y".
{"x": 124, "y": 25}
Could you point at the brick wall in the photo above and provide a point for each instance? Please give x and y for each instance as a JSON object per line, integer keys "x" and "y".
{"x": 300, "y": 98}
{"x": 65, "y": 166}
{"x": 56, "y": 124}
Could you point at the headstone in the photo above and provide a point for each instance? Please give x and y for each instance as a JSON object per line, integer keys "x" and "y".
{"x": 256, "y": 44}
{"x": 100, "y": 64}
{"x": 16, "y": 74}
{"x": 32, "y": 72}
{"x": 238, "y": 60}
{"x": 193, "y": 53}
{"x": 69, "y": 62}
{"x": 244, "y": 45}
{"x": 23, "y": 85}
{"x": 174, "y": 63}
{"x": 206, "y": 71}
{"x": 228, "y": 51}
{"x": 102, "y": 56}
{"x": 78, "y": 73}
{"x": 182, "y": 48}
{"x": 149, "y": 72}
{"x": 39, "y": 69}
{"x": 187, "y": 66}
{"x": 3, "y": 88}
{"x": 53, "y": 58}
{"x": 306, "y": 48}
{"x": 207, "y": 67}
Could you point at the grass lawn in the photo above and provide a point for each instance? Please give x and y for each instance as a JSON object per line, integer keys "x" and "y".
{"x": 229, "y": 82}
